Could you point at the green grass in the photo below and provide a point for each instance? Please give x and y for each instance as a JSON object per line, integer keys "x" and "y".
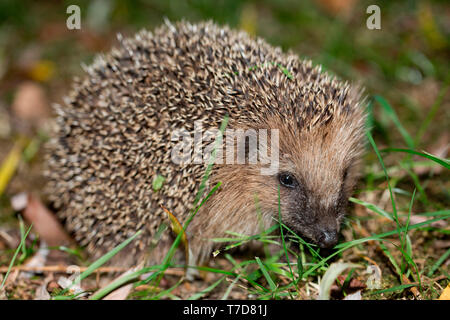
{"x": 265, "y": 274}
{"x": 19, "y": 247}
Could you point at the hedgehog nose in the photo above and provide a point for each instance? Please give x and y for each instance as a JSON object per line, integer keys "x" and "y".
{"x": 328, "y": 238}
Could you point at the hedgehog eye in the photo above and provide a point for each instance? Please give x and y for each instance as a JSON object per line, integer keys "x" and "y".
{"x": 287, "y": 179}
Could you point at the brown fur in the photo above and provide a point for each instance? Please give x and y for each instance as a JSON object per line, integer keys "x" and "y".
{"x": 318, "y": 157}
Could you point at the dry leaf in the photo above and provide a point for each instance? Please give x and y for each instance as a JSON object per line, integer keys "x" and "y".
{"x": 38, "y": 260}
{"x": 52, "y": 286}
{"x": 176, "y": 227}
{"x": 445, "y": 295}
{"x": 11, "y": 242}
{"x": 441, "y": 244}
{"x": 122, "y": 292}
{"x": 414, "y": 219}
{"x": 354, "y": 296}
{"x": 30, "y": 103}
{"x": 41, "y": 292}
{"x": 438, "y": 149}
{"x": 10, "y": 164}
{"x": 414, "y": 290}
{"x": 45, "y": 223}
{"x": 334, "y": 270}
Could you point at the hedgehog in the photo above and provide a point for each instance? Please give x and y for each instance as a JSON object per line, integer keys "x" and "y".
{"x": 114, "y": 138}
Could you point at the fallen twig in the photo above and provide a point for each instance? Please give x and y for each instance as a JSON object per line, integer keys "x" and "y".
{"x": 67, "y": 269}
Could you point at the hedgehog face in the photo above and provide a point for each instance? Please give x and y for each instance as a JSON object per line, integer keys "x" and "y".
{"x": 316, "y": 174}
{"x": 308, "y": 213}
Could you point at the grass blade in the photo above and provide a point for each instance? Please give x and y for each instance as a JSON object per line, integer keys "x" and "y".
{"x": 439, "y": 262}
{"x": 442, "y": 162}
{"x": 22, "y": 242}
{"x": 122, "y": 280}
{"x": 391, "y": 113}
{"x": 205, "y": 291}
{"x": 394, "y": 207}
{"x": 264, "y": 271}
{"x": 227, "y": 292}
{"x": 396, "y": 288}
{"x": 344, "y": 246}
{"x": 372, "y": 207}
{"x": 102, "y": 260}
{"x": 391, "y": 259}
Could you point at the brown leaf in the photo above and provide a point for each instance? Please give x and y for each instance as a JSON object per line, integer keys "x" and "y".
{"x": 353, "y": 285}
{"x": 337, "y": 7}
{"x": 414, "y": 290}
{"x": 45, "y": 223}
{"x": 37, "y": 260}
{"x": 8, "y": 240}
{"x": 441, "y": 244}
{"x": 122, "y": 292}
{"x": 439, "y": 149}
{"x": 41, "y": 292}
{"x": 52, "y": 286}
{"x": 354, "y": 296}
{"x": 445, "y": 295}
{"x": 30, "y": 103}
{"x": 418, "y": 219}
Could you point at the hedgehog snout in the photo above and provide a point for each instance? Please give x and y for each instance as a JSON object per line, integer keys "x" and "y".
{"x": 327, "y": 238}
{"x": 325, "y": 228}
